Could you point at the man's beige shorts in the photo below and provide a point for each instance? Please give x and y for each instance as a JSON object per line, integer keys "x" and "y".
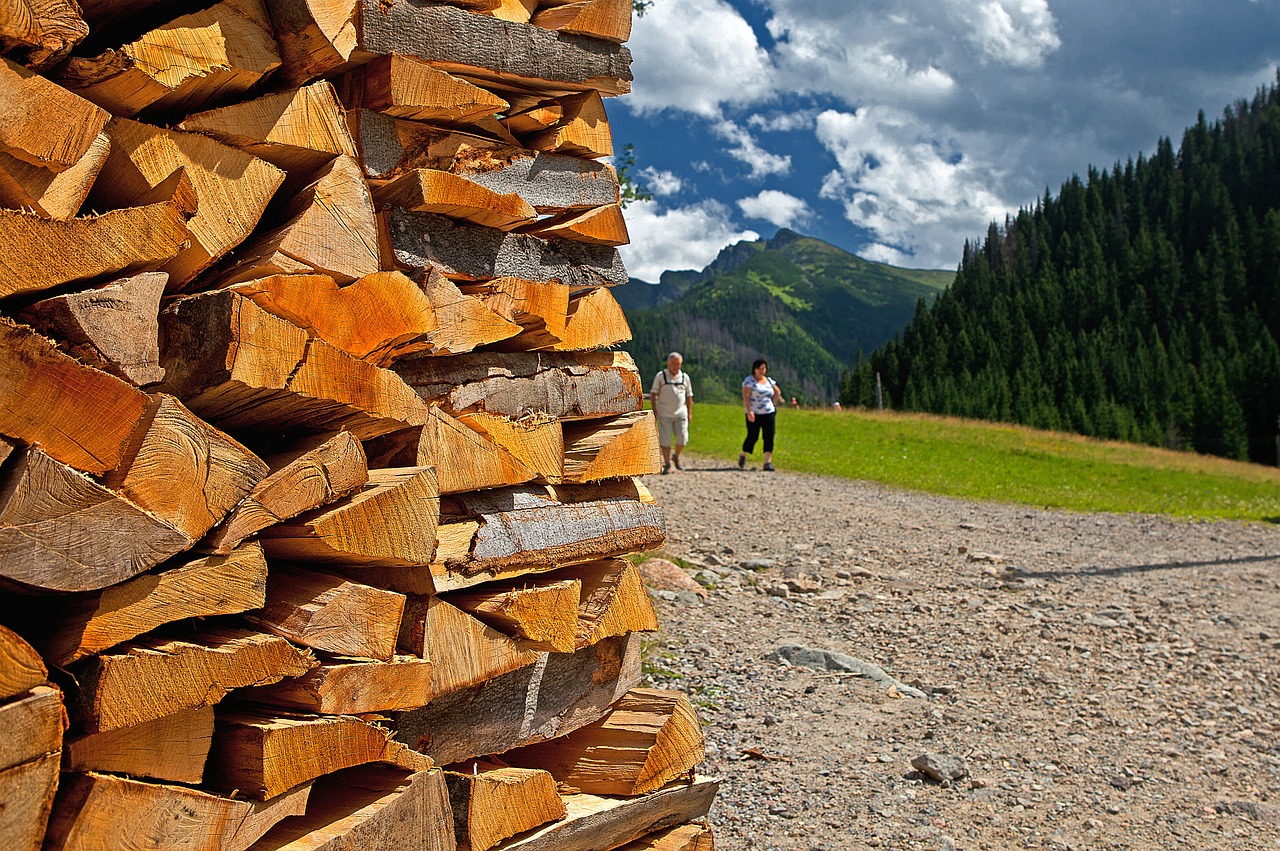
{"x": 677, "y": 427}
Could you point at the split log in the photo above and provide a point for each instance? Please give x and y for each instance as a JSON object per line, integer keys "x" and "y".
{"x": 370, "y": 807}
{"x": 564, "y": 386}
{"x": 329, "y": 613}
{"x": 27, "y": 791}
{"x": 383, "y": 316}
{"x": 183, "y": 470}
{"x": 173, "y": 748}
{"x": 70, "y": 628}
{"x": 56, "y": 195}
{"x": 390, "y": 148}
{"x": 30, "y": 751}
{"x": 233, "y": 187}
{"x": 620, "y": 819}
{"x": 323, "y": 37}
{"x": 262, "y": 755}
{"x": 470, "y": 252}
{"x": 185, "y": 65}
{"x": 526, "y": 529}
{"x": 238, "y": 366}
{"x": 319, "y": 471}
{"x": 595, "y": 320}
{"x": 464, "y": 460}
{"x": 33, "y": 723}
{"x": 647, "y": 740}
{"x": 98, "y": 811}
{"x": 158, "y": 676}
{"x": 44, "y": 124}
{"x": 463, "y": 322}
{"x": 38, "y": 254}
{"x": 493, "y": 802}
{"x": 584, "y": 132}
{"x": 44, "y": 396}
{"x": 495, "y": 50}
{"x": 519, "y": 11}
{"x": 685, "y": 837}
{"x": 112, "y": 328}
{"x": 40, "y": 33}
{"x": 606, "y": 19}
{"x": 21, "y": 668}
{"x": 550, "y": 182}
{"x": 352, "y": 687}
{"x": 391, "y": 523}
{"x": 537, "y": 442}
{"x": 462, "y": 650}
{"x": 405, "y": 87}
{"x": 453, "y": 543}
{"x": 544, "y": 116}
{"x": 299, "y": 131}
{"x": 598, "y": 226}
{"x": 62, "y": 531}
{"x": 330, "y": 229}
{"x": 619, "y": 447}
{"x": 445, "y": 194}
{"x": 543, "y": 616}
{"x": 540, "y": 308}
{"x": 559, "y": 693}
{"x": 374, "y": 318}
{"x": 613, "y": 601}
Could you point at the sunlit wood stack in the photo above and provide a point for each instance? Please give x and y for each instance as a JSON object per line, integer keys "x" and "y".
{"x": 318, "y": 463}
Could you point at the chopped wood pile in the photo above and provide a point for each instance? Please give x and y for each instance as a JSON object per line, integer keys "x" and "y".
{"x": 317, "y": 466}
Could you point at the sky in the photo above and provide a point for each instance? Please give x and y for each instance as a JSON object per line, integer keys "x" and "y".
{"x": 897, "y": 129}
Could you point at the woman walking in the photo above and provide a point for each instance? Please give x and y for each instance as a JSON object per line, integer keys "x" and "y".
{"x": 760, "y": 395}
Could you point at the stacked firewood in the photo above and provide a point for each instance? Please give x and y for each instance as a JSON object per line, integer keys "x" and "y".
{"x": 317, "y": 465}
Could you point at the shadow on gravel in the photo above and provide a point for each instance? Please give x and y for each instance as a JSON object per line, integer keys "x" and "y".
{"x": 1145, "y": 568}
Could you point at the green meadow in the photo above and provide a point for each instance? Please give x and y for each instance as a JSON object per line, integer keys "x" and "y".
{"x": 1005, "y": 463}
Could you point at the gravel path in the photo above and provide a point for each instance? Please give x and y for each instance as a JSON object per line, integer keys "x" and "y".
{"x": 1109, "y": 681}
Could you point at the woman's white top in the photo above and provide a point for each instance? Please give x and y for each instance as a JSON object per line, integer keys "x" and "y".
{"x": 761, "y": 400}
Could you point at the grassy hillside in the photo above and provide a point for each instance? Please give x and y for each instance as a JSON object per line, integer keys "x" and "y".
{"x": 806, "y": 306}
{"x": 965, "y": 458}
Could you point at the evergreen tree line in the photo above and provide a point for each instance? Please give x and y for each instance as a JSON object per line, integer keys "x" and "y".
{"x": 1140, "y": 304}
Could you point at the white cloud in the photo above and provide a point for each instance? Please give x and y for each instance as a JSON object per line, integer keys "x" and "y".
{"x": 687, "y": 237}
{"x": 695, "y": 55}
{"x": 918, "y": 198}
{"x": 661, "y": 183}
{"x": 747, "y": 150}
{"x": 784, "y": 122}
{"x": 1020, "y": 33}
{"x": 776, "y": 207}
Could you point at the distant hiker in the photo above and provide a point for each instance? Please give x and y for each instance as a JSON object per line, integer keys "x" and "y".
{"x": 760, "y": 395}
{"x": 672, "y": 398}
{"x": 794, "y": 403}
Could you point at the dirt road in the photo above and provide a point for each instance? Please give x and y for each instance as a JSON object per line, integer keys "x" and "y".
{"x": 1108, "y": 681}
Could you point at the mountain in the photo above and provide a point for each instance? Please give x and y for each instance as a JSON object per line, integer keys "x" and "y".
{"x": 1141, "y": 303}
{"x": 806, "y": 306}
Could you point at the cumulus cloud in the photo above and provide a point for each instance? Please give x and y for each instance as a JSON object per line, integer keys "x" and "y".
{"x": 919, "y": 198}
{"x": 745, "y": 149}
{"x": 695, "y": 55}
{"x": 776, "y": 207}
{"x": 686, "y": 237}
{"x": 1020, "y": 33}
{"x": 784, "y": 122}
{"x": 941, "y": 115}
{"x": 661, "y": 183}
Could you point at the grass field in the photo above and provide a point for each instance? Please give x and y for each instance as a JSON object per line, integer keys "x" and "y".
{"x": 999, "y": 462}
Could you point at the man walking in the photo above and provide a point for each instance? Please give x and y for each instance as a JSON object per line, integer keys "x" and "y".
{"x": 672, "y": 398}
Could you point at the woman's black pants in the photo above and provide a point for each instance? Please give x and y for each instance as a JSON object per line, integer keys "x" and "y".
{"x": 763, "y": 424}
